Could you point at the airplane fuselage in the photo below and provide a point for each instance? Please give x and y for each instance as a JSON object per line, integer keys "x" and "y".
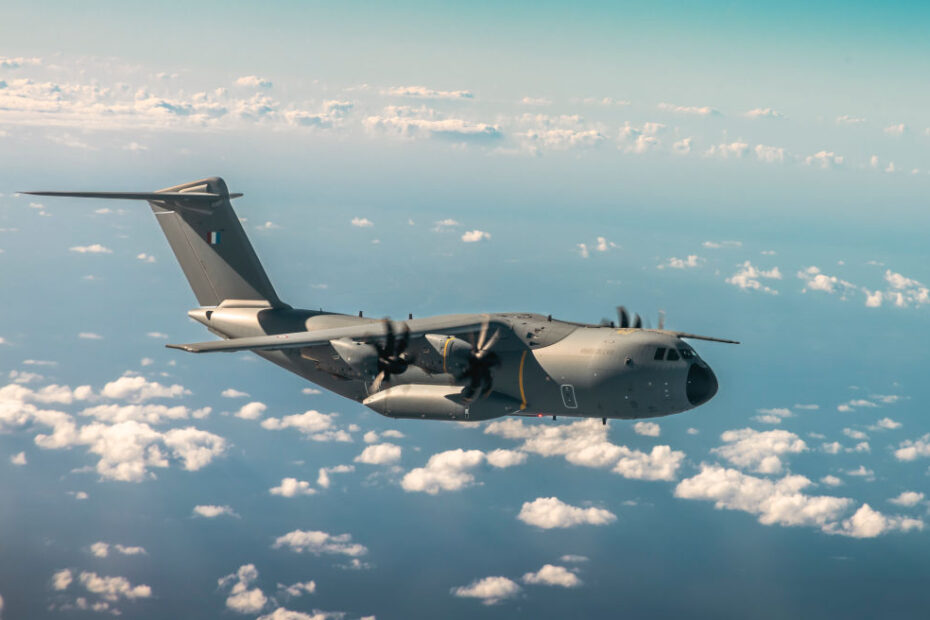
{"x": 557, "y": 368}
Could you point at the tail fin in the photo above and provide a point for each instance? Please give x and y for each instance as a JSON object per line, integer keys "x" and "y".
{"x": 207, "y": 239}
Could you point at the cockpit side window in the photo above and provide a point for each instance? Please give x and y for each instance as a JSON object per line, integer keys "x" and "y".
{"x": 686, "y": 354}
{"x": 660, "y": 353}
{"x": 673, "y": 355}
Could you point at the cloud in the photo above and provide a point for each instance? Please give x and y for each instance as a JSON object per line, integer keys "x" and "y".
{"x": 490, "y": 590}
{"x": 815, "y": 280}
{"x": 749, "y": 277}
{"x": 769, "y": 154}
{"x": 904, "y": 292}
{"x": 299, "y": 588}
{"x": 759, "y": 451}
{"x": 18, "y": 459}
{"x": 583, "y": 250}
{"x": 158, "y": 335}
{"x": 317, "y": 543}
{"x": 422, "y": 92}
{"x": 764, "y": 113}
{"x": 233, "y": 393}
{"x": 113, "y": 588}
{"x": 292, "y": 487}
{"x": 887, "y": 424}
{"x": 776, "y": 502}
{"x": 323, "y": 477}
{"x": 145, "y": 258}
{"x": 380, "y": 454}
{"x": 716, "y": 245}
{"x": 62, "y": 579}
{"x": 735, "y": 150}
{"x": 361, "y": 222}
{"x": 127, "y": 449}
{"x": 550, "y": 512}
{"x": 241, "y": 599}
{"x": 102, "y": 549}
{"x": 772, "y": 416}
{"x": 210, "y": 511}
{"x": 550, "y": 575}
{"x": 423, "y": 122}
{"x": 253, "y": 81}
{"x": 313, "y": 424}
{"x": 649, "y": 429}
{"x": 535, "y": 101}
{"x": 683, "y": 146}
{"x": 148, "y": 413}
{"x": 824, "y": 159}
{"x": 831, "y": 481}
{"x": 908, "y": 498}
{"x": 693, "y": 110}
{"x": 473, "y": 236}
{"x": 89, "y": 336}
{"x": 137, "y": 389}
{"x": 444, "y": 471}
{"x": 251, "y": 411}
{"x": 690, "y": 262}
{"x": 94, "y": 248}
{"x": 849, "y": 120}
{"x": 912, "y": 449}
{"x": 18, "y": 62}
{"x": 505, "y": 458}
{"x": 585, "y": 443}
{"x": 640, "y": 140}
{"x": 896, "y": 130}
{"x": 572, "y": 558}
{"x": 869, "y": 523}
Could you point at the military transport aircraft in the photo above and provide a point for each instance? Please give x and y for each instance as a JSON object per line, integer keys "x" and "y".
{"x": 463, "y": 367}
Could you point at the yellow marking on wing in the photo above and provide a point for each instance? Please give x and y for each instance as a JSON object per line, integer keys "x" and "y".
{"x": 520, "y": 379}
{"x": 445, "y": 349}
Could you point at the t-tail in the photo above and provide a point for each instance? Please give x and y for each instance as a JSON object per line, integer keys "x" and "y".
{"x": 207, "y": 239}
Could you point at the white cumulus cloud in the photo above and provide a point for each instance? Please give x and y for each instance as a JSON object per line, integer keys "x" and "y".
{"x": 551, "y": 512}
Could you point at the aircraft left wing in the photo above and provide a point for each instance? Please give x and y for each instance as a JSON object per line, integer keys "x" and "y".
{"x": 298, "y": 340}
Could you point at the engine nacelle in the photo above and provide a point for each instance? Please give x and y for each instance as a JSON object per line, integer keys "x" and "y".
{"x": 438, "y": 402}
{"x": 362, "y": 358}
{"x": 444, "y": 354}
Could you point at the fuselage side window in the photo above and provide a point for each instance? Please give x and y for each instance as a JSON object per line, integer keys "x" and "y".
{"x": 672, "y": 355}
{"x": 660, "y": 353}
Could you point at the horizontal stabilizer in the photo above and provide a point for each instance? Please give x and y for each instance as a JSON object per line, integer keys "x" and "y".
{"x": 707, "y": 338}
{"x": 193, "y": 196}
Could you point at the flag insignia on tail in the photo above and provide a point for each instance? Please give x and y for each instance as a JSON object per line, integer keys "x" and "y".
{"x": 214, "y": 237}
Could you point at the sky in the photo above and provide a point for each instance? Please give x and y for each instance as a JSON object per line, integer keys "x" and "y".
{"x": 757, "y": 173}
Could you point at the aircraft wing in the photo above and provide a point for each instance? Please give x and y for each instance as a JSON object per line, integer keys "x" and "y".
{"x": 367, "y": 332}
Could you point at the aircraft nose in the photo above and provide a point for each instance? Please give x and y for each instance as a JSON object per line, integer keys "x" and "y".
{"x": 702, "y": 384}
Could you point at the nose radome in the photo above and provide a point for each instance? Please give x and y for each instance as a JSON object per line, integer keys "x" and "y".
{"x": 702, "y": 384}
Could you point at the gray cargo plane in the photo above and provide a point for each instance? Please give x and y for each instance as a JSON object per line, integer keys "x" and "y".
{"x": 463, "y": 367}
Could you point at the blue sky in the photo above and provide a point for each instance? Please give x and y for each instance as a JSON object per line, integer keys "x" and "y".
{"x": 758, "y": 174}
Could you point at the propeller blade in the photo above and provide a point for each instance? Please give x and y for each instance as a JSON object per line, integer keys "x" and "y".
{"x": 661, "y": 319}
{"x": 403, "y": 340}
{"x": 637, "y": 322}
{"x": 623, "y": 317}
{"x": 389, "y": 340}
{"x": 490, "y": 343}
{"x": 376, "y": 384}
{"x": 483, "y": 333}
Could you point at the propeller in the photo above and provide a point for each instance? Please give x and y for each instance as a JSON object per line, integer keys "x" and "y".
{"x": 393, "y": 358}
{"x": 481, "y": 361}
{"x": 625, "y": 322}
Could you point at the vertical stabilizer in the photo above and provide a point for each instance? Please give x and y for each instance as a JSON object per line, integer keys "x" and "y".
{"x": 211, "y": 246}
